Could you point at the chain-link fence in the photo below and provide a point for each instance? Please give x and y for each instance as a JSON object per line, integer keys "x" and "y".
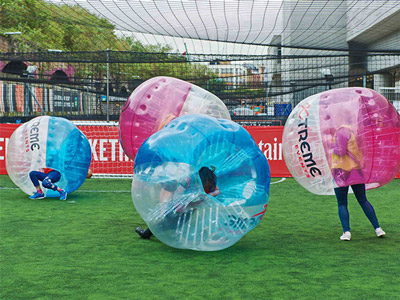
{"x": 259, "y": 90}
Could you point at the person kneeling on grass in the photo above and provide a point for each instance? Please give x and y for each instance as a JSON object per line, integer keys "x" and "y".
{"x": 48, "y": 177}
{"x": 209, "y": 181}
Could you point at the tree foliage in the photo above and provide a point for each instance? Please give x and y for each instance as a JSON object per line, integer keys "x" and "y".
{"x": 46, "y": 25}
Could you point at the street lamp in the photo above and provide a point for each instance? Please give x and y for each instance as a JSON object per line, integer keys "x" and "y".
{"x": 328, "y": 77}
{"x": 11, "y": 33}
{"x": 30, "y": 72}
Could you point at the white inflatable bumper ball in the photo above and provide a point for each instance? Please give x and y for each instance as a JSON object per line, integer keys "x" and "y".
{"x": 342, "y": 137}
{"x": 48, "y": 142}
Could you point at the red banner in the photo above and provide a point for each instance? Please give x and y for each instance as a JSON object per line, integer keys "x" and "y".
{"x": 269, "y": 140}
{"x": 6, "y": 131}
{"x": 109, "y": 158}
{"x": 107, "y": 154}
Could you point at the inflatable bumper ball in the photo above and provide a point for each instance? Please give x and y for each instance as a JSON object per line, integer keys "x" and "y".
{"x": 168, "y": 193}
{"x": 48, "y": 142}
{"x": 342, "y": 137}
{"x": 159, "y": 100}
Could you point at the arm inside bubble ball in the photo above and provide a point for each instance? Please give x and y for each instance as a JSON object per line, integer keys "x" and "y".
{"x": 165, "y": 195}
{"x": 202, "y": 199}
{"x": 341, "y": 138}
{"x": 180, "y": 196}
{"x": 172, "y": 197}
{"x": 215, "y": 193}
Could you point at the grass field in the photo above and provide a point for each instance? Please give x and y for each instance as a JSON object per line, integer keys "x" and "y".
{"x": 87, "y": 248}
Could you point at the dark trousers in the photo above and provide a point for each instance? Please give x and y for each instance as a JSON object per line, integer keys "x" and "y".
{"x": 35, "y": 176}
{"x": 359, "y": 191}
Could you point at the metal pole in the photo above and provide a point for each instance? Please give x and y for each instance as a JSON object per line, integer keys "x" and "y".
{"x": 26, "y": 99}
{"x": 293, "y": 86}
{"x": 62, "y": 93}
{"x": 53, "y": 109}
{"x": 88, "y": 104}
{"x": 45, "y": 98}
{"x": 365, "y": 81}
{"x": 37, "y": 102}
{"x": 107, "y": 81}
{"x": 70, "y": 101}
{"x": 187, "y": 53}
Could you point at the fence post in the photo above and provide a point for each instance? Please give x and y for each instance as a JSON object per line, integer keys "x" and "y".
{"x": 108, "y": 86}
{"x": 70, "y": 101}
{"x": 62, "y": 94}
{"x": 52, "y": 94}
{"x": 26, "y": 95}
{"x": 34, "y": 97}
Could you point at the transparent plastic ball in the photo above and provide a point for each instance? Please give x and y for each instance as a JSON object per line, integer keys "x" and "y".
{"x": 159, "y": 100}
{"x": 342, "y": 137}
{"x": 48, "y": 142}
{"x": 170, "y": 196}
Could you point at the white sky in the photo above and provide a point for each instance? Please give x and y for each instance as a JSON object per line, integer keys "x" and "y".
{"x": 301, "y": 23}
{"x": 194, "y": 46}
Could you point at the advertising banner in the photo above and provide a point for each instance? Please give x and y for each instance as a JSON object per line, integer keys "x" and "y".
{"x": 109, "y": 158}
{"x": 66, "y": 100}
{"x": 269, "y": 140}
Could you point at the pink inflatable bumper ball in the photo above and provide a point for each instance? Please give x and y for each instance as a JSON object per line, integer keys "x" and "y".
{"x": 159, "y": 100}
{"x": 342, "y": 137}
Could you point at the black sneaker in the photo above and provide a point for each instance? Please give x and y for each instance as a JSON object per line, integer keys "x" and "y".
{"x": 139, "y": 231}
{"x": 144, "y": 234}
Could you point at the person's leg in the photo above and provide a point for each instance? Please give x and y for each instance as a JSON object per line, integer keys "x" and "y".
{"x": 35, "y": 176}
{"x": 48, "y": 182}
{"x": 341, "y": 196}
{"x": 359, "y": 192}
{"x": 54, "y": 177}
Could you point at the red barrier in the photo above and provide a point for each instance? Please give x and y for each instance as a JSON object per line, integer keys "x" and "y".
{"x": 269, "y": 140}
{"x": 108, "y": 157}
{"x": 6, "y": 131}
{"x": 107, "y": 154}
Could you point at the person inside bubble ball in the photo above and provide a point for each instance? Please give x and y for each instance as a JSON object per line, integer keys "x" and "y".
{"x": 48, "y": 177}
{"x": 346, "y": 168}
{"x": 209, "y": 182}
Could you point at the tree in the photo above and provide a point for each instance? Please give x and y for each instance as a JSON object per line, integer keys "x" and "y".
{"x": 45, "y": 25}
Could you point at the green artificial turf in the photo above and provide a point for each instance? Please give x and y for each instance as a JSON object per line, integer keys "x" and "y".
{"x": 87, "y": 248}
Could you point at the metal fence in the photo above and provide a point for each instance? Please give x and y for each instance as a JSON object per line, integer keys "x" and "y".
{"x": 258, "y": 90}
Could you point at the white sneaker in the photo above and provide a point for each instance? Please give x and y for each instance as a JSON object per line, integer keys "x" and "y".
{"x": 379, "y": 232}
{"x": 346, "y": 236}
